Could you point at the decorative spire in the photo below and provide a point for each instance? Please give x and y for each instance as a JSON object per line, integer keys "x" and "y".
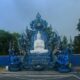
{"x": 38, "y": 23}
{"x": 38, "y": 16}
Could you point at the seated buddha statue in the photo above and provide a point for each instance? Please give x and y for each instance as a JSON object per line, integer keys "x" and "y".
{"x": 39, "y": 45}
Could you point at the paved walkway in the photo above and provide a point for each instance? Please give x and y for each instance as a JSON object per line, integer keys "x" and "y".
{"x": 38, "y": 75}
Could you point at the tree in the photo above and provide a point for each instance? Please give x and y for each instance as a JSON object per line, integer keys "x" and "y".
{"x": 5, "y": 38}
{"x": 64, "y": 42}
{"x": 76, "y": 44}
{"x": 14, "y": 41}
{"x": 53, "y": 38}
{"x": 78, "y": 25}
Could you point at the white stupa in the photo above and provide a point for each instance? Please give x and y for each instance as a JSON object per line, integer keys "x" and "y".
{"x": 39, "y": 45}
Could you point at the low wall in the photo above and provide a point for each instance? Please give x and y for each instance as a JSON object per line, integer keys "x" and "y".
{"x": 4, "y": 60}
{"x": 75, "y": 60}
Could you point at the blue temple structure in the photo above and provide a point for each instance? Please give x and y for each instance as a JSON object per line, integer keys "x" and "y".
{"x": 40, "y": 46}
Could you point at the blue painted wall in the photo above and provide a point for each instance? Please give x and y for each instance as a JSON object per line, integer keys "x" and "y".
{"x": 4, "y": 60}
{"x": 75, "y": 60}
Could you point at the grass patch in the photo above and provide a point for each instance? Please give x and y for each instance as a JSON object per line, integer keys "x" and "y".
{"x": 2, "y": 69}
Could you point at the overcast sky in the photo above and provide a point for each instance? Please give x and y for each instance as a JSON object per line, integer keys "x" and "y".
{"x": 63, "y": 15}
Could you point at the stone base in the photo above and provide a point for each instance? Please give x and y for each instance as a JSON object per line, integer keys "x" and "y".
{"x": 38, "y": 61}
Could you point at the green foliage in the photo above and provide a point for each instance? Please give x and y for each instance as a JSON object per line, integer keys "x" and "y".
{"x": 48, "y": 30}
{"x": 15, "y": 37}
{"x": 51, "y": 38}
{"x": 5, "y": 39}
{"x": 78, "y": 25}
{"x": 77, "y": 44}
{"x": 64, "y": 42}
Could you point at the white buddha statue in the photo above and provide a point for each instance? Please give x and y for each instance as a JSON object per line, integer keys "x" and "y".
{"x": 39, "y": 45}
